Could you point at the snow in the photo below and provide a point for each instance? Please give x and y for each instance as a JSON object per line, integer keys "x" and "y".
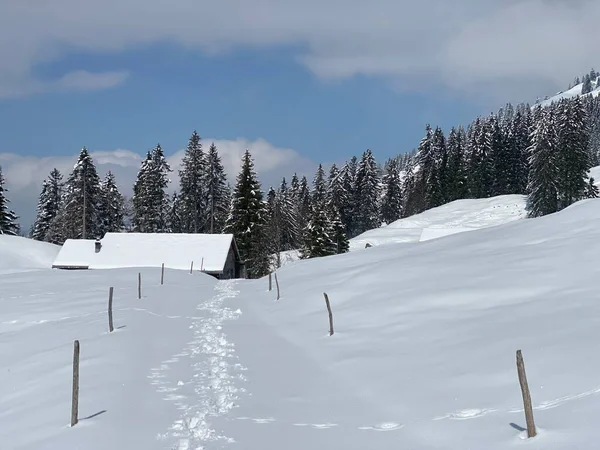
{"x": 455, "y": 217}
{"x": 177, "y": 251}
{"x": 570, "y": 93}
{"x": 423, "y": 355}
{"x": 18, "y": 254}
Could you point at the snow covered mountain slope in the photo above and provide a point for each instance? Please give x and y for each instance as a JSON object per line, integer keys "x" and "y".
{"x": 570, "y": 93}
{"x": 451, "y": 218}
{"x": 19, "y": 254}
{"x": 423, "y": 355}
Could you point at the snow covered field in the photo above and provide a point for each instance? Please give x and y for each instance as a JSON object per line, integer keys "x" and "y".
{"x": 423, "y": 355}
{"x": 451, "y": 218}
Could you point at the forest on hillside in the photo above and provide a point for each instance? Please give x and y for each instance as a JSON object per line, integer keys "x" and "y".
{"x": 544, "y": 153}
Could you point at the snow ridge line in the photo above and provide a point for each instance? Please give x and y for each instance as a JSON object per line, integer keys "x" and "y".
{"x": 213, "y": 381}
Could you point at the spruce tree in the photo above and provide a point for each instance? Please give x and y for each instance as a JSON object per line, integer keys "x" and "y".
{"x": 573, "y": 156}
{"x": 391, "y": 204}
{"x": 193, "y": 193}
{"x": 318, "y": 240}
{"x": 586, "y": 88}
{"x": 367, "y": 194}
{"x": 591, "y": 190}
{"x": 457, "y": 174}
{"x": 48, "y": 206}
{"x": 8, "y": 218}
{"x": 247, "y": 220}
{"x": 151, "y": 201}
{"x": 339, "y": 194}
{"x": 543, "y": 160}
{"x": 175, "y": 214}
{"x": 78, "y": 218}
{"x": 111, "y": 208}
{"x": 217, "y": 190}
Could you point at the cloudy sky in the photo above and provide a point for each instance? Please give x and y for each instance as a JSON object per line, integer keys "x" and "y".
{"x": 297, "y": 82}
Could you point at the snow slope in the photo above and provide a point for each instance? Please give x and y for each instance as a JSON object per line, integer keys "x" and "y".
{"x": 423, "y": 355}
{"x": 18, "y": 254}
{"x": 570, "y": 93}
{"x": 451, "y": 218}
{"x": 424, "y": 351}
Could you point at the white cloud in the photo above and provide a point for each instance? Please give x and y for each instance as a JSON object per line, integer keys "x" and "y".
{"x": 24, "y": 174}
{"x": 467, "y": 45}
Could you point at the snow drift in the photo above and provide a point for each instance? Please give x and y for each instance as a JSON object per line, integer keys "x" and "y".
{"x": 19, "y": 254}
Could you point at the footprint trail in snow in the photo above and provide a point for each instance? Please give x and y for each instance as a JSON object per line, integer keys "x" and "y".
{"x": 213, "y": 378}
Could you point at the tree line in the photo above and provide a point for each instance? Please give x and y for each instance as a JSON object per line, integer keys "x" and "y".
{"x": 544, "y": 153}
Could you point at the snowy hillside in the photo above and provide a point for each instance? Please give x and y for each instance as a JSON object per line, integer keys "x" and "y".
{"x": 570, "y": 93}
{"x": 18, "y": 254}
{"x": 423, "y": 354}
{"x": 451, "y": 218}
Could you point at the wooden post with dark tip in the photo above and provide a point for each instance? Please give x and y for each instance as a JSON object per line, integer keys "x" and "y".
{"x": 330, "y": 314}
{"x": 531, "y": 432}
{"x": 202, "y": 265}
{"x": 139, "y": 285}
{"x": 110, "y": 315}
{"x": 75, "y": 397}
{"x": 192, "y": 267}
{"x": 277, "y": 284}
{"x": 162, "y": 274}
{"x": 270, "y": 281}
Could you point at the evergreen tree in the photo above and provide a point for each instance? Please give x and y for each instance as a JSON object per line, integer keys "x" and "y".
{"x": 543, "y": 173}
{"x": 337, "y": 231}
{"x": 48, "y": 205}
{"x": 586, "y": 88}
{"x": 436, "y": 175}
{"x": 175, "y": 222}
{"x": 78, "y": 218}
{"x": 591, "y": 190}
{"x": 111, "y": 207}
{"x": 218, "y": 195}
{"x": 391, "y": 204}
{"x": 288, "y": 220}
{"x": 319, "y": 192}
{"x": 8, "y": 218}
{"x": 456, "y": 164}
{"x": 150, "y": 199}
{"x": 247, "y": 220}
{"x": 367, "y": 193}
{"x": 339, "y": 194}
{"x": 318, "y": 240}
{"x": 573, "y": 157}
{"x": 193, "y": 194}
{"x": 304, "y": 203}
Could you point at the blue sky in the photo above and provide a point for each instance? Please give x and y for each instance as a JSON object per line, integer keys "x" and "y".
{"x": 296, "y": 82}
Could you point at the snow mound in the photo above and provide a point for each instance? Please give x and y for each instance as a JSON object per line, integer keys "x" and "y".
{"x": 454, "y": 217}
{"x": 425, "y": 338}
{"x": 19, "y": 254}
{"x": 570, "y": 93}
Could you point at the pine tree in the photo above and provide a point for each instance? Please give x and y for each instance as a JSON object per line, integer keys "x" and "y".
{"x": 591, "y": 190}
{"x": 175, "y": 214}
{"x": 436, "y": 173}
{"x": 586, "y": 88}
{"x": 48, "y": 205}
{"x": 339, "y": 194}
{"x": 318, "y": 240}
{"x": 218, "y": 195}
{"x": 543, "y": 186}
{"x": 456, "y": 164}
{"x": 111, "y": 207}
{"x": 247, "y": 220}
{"x": 573, "y": 156}
{"x": 367, "y": 193}
{"x": 8, "y": 218}
{"x": 391, "y": 204}
{"x": 78, "y": 217}
{"x": 319, "y": 192}
{"x": 193, "y": 194}
{"x": 151, "y": 201}
{"x": 290, "y": 233}
{"x": 337, "y": 231}
{"x": 304, "y": 203}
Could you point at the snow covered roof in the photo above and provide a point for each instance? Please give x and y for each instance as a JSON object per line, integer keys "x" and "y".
{"x": 176, "y": 250}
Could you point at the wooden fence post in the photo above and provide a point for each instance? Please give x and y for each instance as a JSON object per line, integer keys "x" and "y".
{"x": 192, "y": 267}
{"x": 202, "y": 265}
{"x": 277, "y": 284}
{"x": 162, "y": 274}
{"x": 75, "y": 397}
{"x": 270, "y": 282}
{"x": 139, "y": 285}
{"x": 531, "y": 431}
{"x": 110, "y": 316}
{"x": 330, "y": 314}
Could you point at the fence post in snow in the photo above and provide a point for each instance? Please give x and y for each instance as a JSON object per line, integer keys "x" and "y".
{"x": 110, "y": 316}
{"x": 202, "y": 265}
{"x": 277, "y": 284}
{"x": 75, "y": 397}
{"x": 139, "y": 285}
{"x": 192, "y": 267}
{"x": 531, "y": 432}
{"x": 162, "y": 274}
{"x": 270, "y": 282}
{"x": 330, "y": 314}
